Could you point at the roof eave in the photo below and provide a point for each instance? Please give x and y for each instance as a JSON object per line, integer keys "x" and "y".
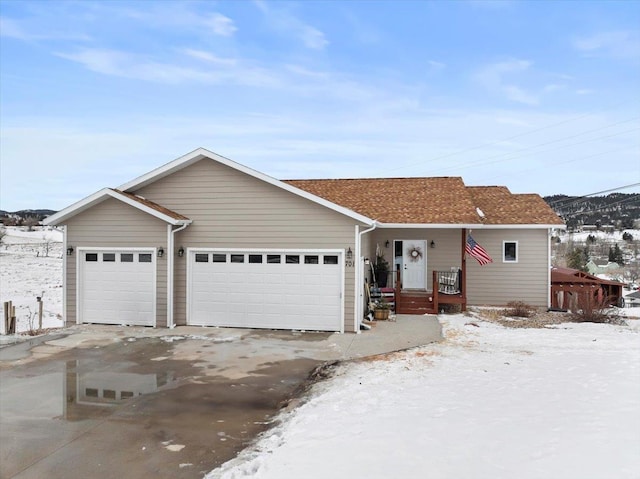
{"x": 469, "y": 226}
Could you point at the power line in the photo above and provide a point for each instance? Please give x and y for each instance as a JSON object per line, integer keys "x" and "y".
{"x": 579, "y": 199}
{"x": 477, "y": 147}
{"x": 580, "y": 158}
{"x": 484, "y": 163}
{"x": 480, "y": 162}
{"x": 577, "y": 213}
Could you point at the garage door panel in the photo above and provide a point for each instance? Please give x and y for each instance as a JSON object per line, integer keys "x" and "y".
{"x": 285, "y": 295}
{"x": 117, "y": 292}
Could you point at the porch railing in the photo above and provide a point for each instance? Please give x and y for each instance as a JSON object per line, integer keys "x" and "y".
{"x": 447, "y": 289}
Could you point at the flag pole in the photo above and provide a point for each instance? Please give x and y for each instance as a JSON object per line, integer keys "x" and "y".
{"x": 463, "y": 269}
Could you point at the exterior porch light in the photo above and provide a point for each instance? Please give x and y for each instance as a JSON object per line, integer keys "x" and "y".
{"x": 69, "y": 250}
{"x": 181, "y": 251}
{"x": 386, "y": 244}
{"x": 349, "y": 253}
{"x": 432, "y": 244}
{"x": 160, "y": 252}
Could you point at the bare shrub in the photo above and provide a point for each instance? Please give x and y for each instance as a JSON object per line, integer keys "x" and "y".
{"x": 519, "y": 309}
{"x": 590, "y": 309}
{"x": 451, "y": 308}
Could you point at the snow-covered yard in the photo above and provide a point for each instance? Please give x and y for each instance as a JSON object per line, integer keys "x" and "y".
{"x": 30, "y": 265}
{"x": 488, "y": 402}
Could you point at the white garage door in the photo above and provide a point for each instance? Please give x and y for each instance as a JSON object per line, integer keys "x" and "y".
{"x": 275, "y": 290}
{"x": 117, "y": 287}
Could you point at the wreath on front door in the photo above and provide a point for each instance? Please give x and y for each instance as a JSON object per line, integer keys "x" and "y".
{"x": 415, "y": 253}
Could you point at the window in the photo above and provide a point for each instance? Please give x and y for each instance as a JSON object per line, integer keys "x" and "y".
{"x": 237, "y": 258}
{"x": 109, "y": 394}
{"x": 311, "y": 259}
{"x": 91, "y": 392}
{"x": 509, "y": 251}
{"x": 202, "y": 257}
{"x": 293, "y": 259}
{"x": 144, "y": 258}
{"x": 108, "y": 257}
{"x": 333, "y": 259}
{"x": 126, "y": 258}
{"x": 91, "y": 257}
{"x": 218, "y": 258}
{"x": 255, "y": 258}
{"x": 273, "y": 258}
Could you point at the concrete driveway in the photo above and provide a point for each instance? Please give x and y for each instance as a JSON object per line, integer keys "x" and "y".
{"x": 114, "y": 402}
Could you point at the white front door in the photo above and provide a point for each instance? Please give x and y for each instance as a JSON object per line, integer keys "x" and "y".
{"x": 414, "y": 264}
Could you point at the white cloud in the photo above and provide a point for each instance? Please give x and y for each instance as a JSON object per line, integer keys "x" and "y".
{"x": 11, "y": 28}
{"x": 618, "y": 44}
{"x": 126, "y": 65}
{"x": 220, "y": 24}
{"x": 436, "y": 66}
{"x": 585, "y": 91}
{"x": 286, "y": 23}
{"x": 492, "y": 77}
{"x": 209, "y": 57}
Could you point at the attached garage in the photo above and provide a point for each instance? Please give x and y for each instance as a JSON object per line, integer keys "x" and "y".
{"x": 288, "y": 289}
{"x": 117, "y": 286}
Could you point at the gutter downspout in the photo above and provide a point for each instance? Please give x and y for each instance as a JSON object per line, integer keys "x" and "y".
{"x": 170, "y": 271}
{"x": 360, "y": 275}
{"x": 549, "y": 234}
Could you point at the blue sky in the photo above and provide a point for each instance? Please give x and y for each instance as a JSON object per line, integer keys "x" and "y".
{"x": 541, "y": 97}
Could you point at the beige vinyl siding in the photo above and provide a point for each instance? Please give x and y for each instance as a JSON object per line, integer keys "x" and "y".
{"x": 445, "y": 255}
{"x": 230, "y": 209}
{"x": 498, "y": 283}
{"x": 116, "y": 224}
{"x": 493, "y": 284}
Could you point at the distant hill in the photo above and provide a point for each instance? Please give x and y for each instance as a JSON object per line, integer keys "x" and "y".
{"x": 18, "y": 217}
{"x": 618, "y": 209}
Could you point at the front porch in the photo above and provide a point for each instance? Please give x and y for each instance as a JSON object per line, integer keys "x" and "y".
{"x": 427, "y": 268}
{"x": 449, "y": 290}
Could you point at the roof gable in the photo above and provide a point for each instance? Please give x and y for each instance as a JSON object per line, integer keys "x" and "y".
{"x": 202, "y": 153}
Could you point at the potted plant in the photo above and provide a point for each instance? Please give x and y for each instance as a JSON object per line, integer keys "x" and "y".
{"x": 381, "y": 310}
{"x": 381, "y": 271}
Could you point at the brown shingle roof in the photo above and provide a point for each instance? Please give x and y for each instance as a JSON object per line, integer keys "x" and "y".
{"x": 398, "y": 200}
{"x": 152, "y": 205}
{"x": 444, "y": 200}
{"x": 500, "y": 206}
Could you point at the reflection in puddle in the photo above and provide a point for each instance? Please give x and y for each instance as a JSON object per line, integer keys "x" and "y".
{"x": 86, "y": 388}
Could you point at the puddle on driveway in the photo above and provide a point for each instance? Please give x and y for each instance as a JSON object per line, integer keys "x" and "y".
{"x": 114, "y": 412}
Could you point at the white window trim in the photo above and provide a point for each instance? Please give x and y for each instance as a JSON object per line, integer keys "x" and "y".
{"x": 504, "y": 259}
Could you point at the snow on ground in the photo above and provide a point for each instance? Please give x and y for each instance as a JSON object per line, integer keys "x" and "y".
{"x": 582, "y": 236}
{"x": 30, "y": 265}
{"x": 488, "y": 402}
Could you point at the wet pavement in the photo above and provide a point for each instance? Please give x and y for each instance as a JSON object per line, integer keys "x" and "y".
{"x": 117, "y": 411}
{"x": 113, "y": 402}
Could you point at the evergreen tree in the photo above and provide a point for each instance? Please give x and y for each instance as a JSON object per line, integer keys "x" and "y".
{"x": 617, "y": 255}
{"x": 578, "y": 258}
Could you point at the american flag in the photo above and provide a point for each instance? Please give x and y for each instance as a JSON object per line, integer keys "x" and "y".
{"x": 478, "y": 252}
